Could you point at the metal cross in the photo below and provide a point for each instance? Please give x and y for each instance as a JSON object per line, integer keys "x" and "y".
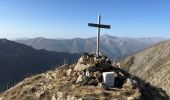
{"x": 98, "y": 33}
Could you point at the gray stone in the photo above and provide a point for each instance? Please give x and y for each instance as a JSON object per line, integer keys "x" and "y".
{"x": 80, "y": 79}
{"x": 109, "y": 78}
{"x": 69, "y": 71}
{"x": 81, "y": 67}
{"x": 130, "y": 98}
{"x": 130, "y": 83}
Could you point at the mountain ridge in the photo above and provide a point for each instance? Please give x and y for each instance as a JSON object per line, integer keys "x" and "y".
{"x": 114, "y": 47}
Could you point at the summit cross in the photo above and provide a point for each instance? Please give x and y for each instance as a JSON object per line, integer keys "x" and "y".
{"x": 98, "y": 33}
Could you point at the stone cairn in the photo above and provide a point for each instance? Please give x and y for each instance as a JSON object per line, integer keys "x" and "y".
{"x": 101, "y": 72}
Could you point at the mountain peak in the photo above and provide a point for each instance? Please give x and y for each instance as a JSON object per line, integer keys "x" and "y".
{"x": 88, "y": 79}
{"x": 106, "y": 36}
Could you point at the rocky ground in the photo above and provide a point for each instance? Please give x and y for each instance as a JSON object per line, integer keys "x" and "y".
{"x": 84, "y": 81}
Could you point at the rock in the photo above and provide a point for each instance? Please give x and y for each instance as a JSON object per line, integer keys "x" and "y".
{"x": 93, "y": 82}
{"x": 119, "y": 81}
{"x": 109, "y": 78}
{"x": 80, "y": 78}
{"x": 37, "y": 94}
{"x": 102, "y": 85}
{"x": 104, "y": 67}
{"x": 1, "y": 98}
{"x": 48, "y": 76}
{"x": 33, "y": 89}
{"x": 68, "y": 97}
{"x": 53, "y": 97}
{"x": 41, "y": 95}
{"x": 73, "y": 98}
{"x": 130, "y": 84}
{"x": 60, "y": 95}
{"x": 89, "y": 74}
{"x": 91, "y": 68}
{"x": 69, "y": 71}
{"x": 130, "y": 98}
{"x": 81, "y": 60}
{"x": 81, "y": 67}
{"x": 53, "y": 76}
{"x": 49, "y": 86}
{"x": 98, "y": 76}
{"x": 85, "y": 56}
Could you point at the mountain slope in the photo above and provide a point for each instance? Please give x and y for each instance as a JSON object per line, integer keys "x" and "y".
{"x": 18, "y": 61}
{"x": 152, "y": 65}
{"x": 114, "y": 47}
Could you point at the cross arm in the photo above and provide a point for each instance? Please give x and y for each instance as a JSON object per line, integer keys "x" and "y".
{"x": 100, "y": 26}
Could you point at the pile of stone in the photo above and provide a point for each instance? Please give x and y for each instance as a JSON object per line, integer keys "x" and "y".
{"x": 99, "y": 71}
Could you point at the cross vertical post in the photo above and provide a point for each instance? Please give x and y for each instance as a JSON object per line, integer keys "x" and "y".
{"x": 98, "y": 35}
{"x": 99, "y": 25}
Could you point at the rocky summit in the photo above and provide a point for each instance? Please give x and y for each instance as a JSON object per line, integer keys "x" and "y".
{"x": 90, "y": 78}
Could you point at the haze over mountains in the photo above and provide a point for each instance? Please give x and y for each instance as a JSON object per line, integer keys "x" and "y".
{"x": 152, "y": 65}
{"x": 18, "y": 61}
{"x": 114, "y": 47}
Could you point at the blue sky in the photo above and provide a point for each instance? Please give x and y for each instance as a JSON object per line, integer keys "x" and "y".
{"x": 69, "y": 18}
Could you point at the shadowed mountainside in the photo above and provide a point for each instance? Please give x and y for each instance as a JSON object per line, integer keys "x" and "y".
{"x": 18, "y": 61}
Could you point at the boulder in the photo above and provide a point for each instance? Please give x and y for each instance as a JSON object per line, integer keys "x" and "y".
{"x": 130, "y": 84}
{"x": 81, "y": 67}
{"x": 104, "y": 67}
{"x": 91, "y": 68}
{"x": 80, "y": 79}
{"x": 68, "y": 72}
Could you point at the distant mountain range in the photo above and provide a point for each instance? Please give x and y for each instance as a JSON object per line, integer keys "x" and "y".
{"x": 152, "y": 65}
{"x": 18, "y": 61}
{"x": 114, "y": 47}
